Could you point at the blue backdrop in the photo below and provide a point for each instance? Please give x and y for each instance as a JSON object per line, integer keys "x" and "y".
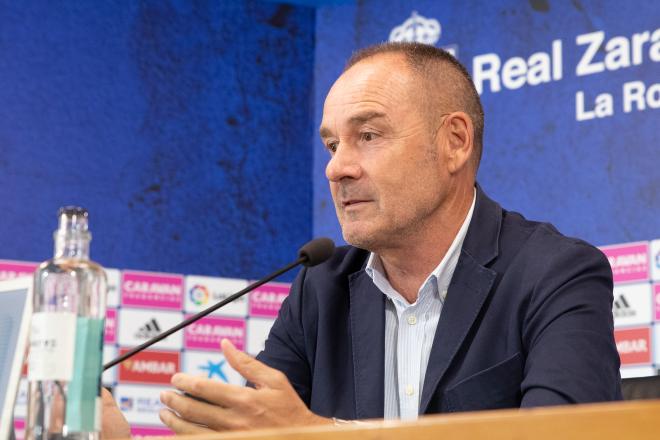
{"x": 188, "y": 128}
{"x": 184, "y": 127}
{"x": 597, "y": 179}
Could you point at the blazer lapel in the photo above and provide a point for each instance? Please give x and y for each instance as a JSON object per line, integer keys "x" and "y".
{"x": 467, "y": 293}
{"x": 367, "y": 314}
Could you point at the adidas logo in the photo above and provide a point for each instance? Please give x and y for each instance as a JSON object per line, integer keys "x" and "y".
{"x": 621, "y": 307}
{"x": 148, "y": 330}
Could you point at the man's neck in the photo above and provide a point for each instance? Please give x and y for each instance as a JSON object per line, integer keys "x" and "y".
{"x": 408, "y": 265}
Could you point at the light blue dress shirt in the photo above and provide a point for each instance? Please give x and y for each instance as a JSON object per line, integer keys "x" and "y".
{"x": 410, "y": 328}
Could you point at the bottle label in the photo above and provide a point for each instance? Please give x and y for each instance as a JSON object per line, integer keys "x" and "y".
{"x": 52, "y": 345}
{"x": 85, "y": 388}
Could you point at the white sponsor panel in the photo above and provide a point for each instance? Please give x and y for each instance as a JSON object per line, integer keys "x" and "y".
{"x": 257, "y": 332}
{"x": 110, "y": 375}
{"x": 632, "y": 304}
{"x": 628, "y": 372}
{"x": 20, "y": 407}
{"x": 655, "y": 260}
{"x": 210, "y": 365}
{"x": 140, "y": 404}
{"x": 114, "y": 285}
{"x": 203, "y": 292}
{"x": 137, "y": 326}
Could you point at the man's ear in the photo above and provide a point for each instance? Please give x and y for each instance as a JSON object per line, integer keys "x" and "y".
{"x": 459, "y": 141}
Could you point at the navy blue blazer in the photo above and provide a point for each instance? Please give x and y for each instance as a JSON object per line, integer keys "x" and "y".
{"x": 527, "y": 321}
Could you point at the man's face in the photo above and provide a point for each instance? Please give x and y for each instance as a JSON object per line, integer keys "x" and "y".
{"x": 386, "y": 172}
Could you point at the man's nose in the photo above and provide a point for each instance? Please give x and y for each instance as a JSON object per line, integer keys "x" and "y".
{"x": 343, "y": 164}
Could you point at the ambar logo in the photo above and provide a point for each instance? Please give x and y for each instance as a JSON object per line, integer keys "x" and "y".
{"x": 149, "y": 367}
{"x": 634, "y": 345}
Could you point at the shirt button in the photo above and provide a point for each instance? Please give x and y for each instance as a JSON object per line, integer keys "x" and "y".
{"x": 412, "y": 319}
{"x": 410, "y": 390}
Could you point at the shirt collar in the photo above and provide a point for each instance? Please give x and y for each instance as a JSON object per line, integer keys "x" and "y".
{"x": 439, "y": 277}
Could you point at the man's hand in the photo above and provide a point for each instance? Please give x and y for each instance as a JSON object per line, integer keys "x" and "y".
{"x": 274, "y": 402}
{"x": 113, "y": 423}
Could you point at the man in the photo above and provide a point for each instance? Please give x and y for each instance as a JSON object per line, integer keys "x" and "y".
{"x": 444, "y": 302}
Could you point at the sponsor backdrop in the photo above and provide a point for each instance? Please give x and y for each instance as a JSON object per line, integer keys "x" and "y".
{"x": 142, "y": 305}
{"x": 193, "y": 138}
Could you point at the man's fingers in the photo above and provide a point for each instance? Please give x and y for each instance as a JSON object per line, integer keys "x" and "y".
{"x": 251, "y": 369}
{"x": 213, "y": 391}
{"x": 179, "y": 425}
{"x": 113, "y": 423}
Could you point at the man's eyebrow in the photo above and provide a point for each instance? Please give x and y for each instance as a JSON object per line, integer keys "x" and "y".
{"x": 365, "y": 117}
{"x": 358, "y": 119}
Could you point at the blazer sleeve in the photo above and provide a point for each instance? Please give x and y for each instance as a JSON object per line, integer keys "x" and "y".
{"x": 285, "y": 346}
{"x": 568, "y": 331}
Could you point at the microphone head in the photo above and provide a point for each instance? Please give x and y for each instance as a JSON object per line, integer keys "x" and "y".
{"x": 316, "y": 251}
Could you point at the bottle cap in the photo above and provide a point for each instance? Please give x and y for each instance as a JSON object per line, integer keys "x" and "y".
{"x": 73, "y": 219}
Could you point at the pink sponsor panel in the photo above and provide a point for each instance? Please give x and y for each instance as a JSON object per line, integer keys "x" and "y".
{"x": 266, "y": 300}
{"x": 207, "y": 333}
{"x": 630, "y": 262}
{"x": 110, "y": 334}
{"x": 19, "y": 429}
{"x": 14, "y": 269}
{"x": 656, "y": 301}
{"x": 152, "y": 290}
{"x": 150, "y": 431}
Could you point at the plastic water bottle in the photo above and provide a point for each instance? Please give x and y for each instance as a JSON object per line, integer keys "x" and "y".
{"x": 66, "y": 337}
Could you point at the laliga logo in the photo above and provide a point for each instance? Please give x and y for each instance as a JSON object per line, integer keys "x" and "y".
{"x": 417, "y": 29}
{"x": 199, "y": 294}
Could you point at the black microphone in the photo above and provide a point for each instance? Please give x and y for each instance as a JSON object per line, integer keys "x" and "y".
{"x": 312, "y": 253}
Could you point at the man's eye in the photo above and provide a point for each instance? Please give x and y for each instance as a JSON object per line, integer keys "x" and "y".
{"x": 332, "y": 146}
{"x": 368, "y": 136}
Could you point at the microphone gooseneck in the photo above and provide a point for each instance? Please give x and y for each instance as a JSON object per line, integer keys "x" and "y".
{"x": 312, "y": 253}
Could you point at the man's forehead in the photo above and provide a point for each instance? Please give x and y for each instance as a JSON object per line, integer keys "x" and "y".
{"x": 368, "y": 86}
{"x": 379, "y": 70}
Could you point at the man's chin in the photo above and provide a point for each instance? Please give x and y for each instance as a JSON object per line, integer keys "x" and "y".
{"x": 359, "y": 238}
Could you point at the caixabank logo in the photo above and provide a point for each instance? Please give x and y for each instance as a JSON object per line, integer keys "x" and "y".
{"x": 149, "y": 366}
{"x": 203, "y": 292}
{"x": 211, "y": 365}
{"x": 152, "y": 290}
{"x": 634, "y": 345}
